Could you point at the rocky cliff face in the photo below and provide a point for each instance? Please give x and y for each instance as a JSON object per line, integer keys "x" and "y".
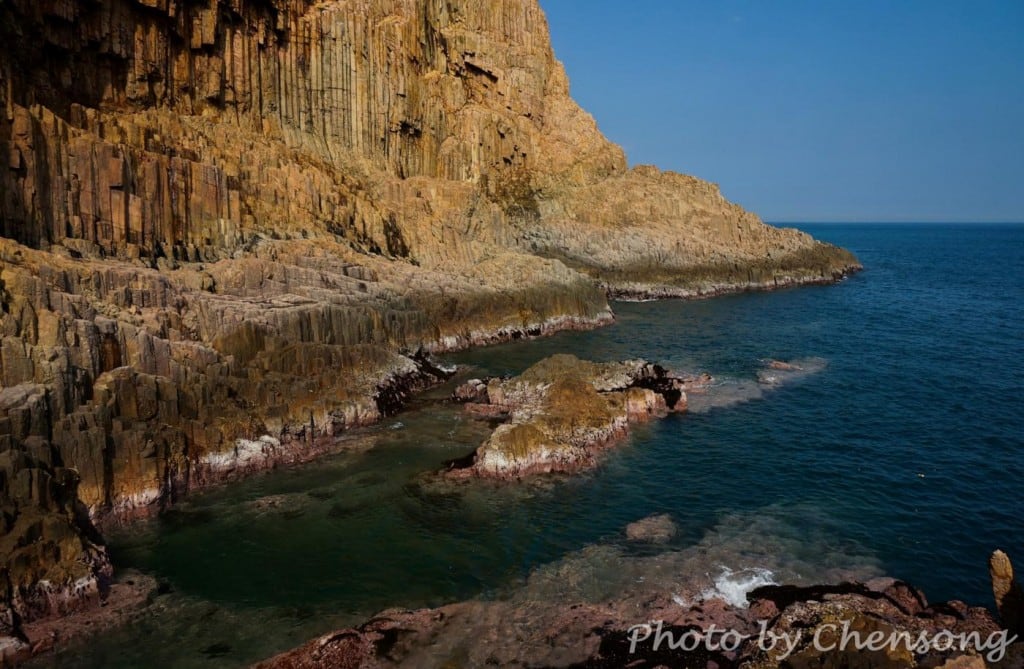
{"x": 226, "y": 224}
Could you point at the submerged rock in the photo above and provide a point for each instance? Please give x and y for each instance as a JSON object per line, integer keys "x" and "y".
{"x": 777, "y": 372}
{"x": 129, "y": 593}
{"x": 657, "y": 529}
{"x": 563, "y": 410}
{"x": 707, "y": 393}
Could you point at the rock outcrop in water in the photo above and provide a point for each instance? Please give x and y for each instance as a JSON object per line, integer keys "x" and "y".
{"x": 561, "y": 411}
{"x": 1007, "y": 591}
{"x": 226, "y": 224}
{"x": 656, "y": 529}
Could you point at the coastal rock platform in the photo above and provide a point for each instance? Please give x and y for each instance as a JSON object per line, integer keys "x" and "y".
{"x": 562, "y": 411}
{"x": 772, "y": 627}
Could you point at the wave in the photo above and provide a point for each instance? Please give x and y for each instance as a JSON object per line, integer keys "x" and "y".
{"x": 774, "y": 374}
{"x": 777, "y": 544}
{"x": 733, "y": 586}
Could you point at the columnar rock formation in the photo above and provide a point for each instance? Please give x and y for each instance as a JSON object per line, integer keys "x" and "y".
{"x": 227, "y": 225}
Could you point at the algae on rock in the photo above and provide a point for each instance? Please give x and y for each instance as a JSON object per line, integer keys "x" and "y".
{"x": 562, "y": 411}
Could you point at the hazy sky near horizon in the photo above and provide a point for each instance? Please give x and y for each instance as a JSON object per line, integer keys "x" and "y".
{"x": 813, "y": 111}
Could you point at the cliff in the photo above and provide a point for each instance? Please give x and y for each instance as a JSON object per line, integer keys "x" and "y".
{"x": 227, "y": 225}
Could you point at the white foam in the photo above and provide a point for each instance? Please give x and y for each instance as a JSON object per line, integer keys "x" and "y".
{"x": 733, "y": 586}
{"x": 728, "y": 392}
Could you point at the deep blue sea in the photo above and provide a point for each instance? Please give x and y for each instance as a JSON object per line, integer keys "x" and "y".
{"x": 904, "y": 455}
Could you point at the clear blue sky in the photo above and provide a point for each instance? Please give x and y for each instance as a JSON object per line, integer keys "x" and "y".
{"x": 816, "y": 110}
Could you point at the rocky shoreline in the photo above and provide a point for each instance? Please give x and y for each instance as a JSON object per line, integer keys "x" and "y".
{"x": 595, "y": 635}
{"x": 86, "y": 603}
{"x": 640, "y": 292}
{"x": 127, "y": 596}
{"x": 881, "y": 623}
{"x": 301, "y": 444}
{"x": 293, "y": 445}
{"x": 575, "y": 408}
{"x": 549, "y": 326}
{"x": 297, "y": 444}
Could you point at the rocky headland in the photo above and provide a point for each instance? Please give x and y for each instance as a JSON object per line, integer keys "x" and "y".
{"x": 230, "y": 230}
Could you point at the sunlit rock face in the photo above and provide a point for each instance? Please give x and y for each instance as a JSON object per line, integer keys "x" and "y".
{"x": 562, "y": 412}
{"x": 225, "y": 221}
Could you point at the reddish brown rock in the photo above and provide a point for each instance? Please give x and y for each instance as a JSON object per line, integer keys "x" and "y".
{"x": 617, "y": 634}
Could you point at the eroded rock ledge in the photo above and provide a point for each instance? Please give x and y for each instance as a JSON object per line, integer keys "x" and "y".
{"x": 620, "y": 633}
{"x": 561, "y": 412}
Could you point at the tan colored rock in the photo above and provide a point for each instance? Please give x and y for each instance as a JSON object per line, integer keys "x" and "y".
{"x": 1007, "y": 591}
{"x": 562, "y": 411}
{"x": 226, "y": 226}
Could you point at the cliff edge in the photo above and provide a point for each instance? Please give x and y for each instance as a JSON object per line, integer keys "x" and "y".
{"x": 226, "y": 226}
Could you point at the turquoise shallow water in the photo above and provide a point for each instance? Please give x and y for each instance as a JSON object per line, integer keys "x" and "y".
{"x": 904, "y": 455}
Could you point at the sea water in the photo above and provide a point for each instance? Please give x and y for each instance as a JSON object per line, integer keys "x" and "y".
{"x": 903, "y": 454}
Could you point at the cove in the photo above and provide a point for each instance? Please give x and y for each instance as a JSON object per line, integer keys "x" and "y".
{"x": 902, "y": 455}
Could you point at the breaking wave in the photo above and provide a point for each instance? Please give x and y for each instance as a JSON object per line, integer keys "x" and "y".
{"x": 733, "y": 586}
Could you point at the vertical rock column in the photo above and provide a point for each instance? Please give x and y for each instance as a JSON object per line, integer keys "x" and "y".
{"x": 1007, "y": 591}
